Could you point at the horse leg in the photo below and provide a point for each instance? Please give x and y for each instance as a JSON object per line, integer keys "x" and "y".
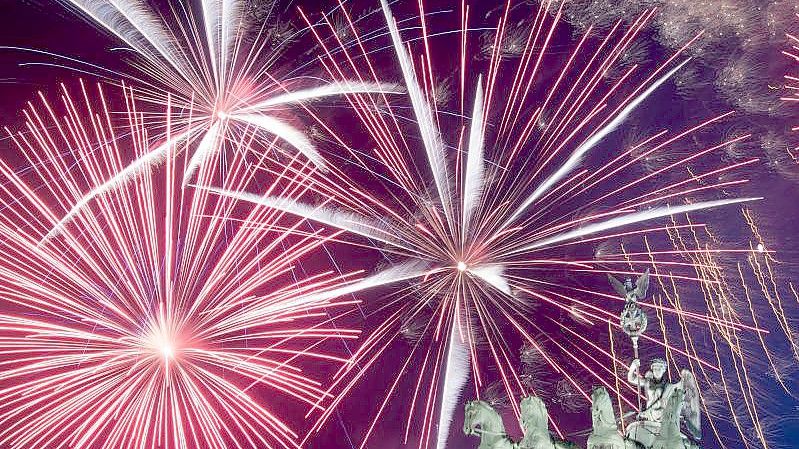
{"x": 632, "y": 444}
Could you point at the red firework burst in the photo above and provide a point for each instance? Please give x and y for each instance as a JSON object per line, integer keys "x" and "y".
{"x": 156, "y": 318}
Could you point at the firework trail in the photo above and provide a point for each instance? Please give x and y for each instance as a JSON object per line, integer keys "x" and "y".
{"x": 792, "y": 80}
{"x": 735, "y": 400}
{"x": 156, "y": 318}
{"x": 217, "y": 68}
{"x": 521, "y": 180}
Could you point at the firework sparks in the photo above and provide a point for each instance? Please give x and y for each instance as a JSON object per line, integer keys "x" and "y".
{"x": 509, "y": 190}
{"x": 733, "y": 399}
{"x": 208, "y": 62}
{"x": 791, "y": 85}
{"x": 155, "y": 319}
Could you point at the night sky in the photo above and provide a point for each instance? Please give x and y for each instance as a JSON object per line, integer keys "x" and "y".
{"x": 712, "y": 86}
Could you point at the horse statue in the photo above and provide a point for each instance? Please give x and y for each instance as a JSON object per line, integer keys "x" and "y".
{"x": 605, "y": 433}
{"x": 605, "y": 430}
{"x": 482, "y": 420}
{"x": 670, "y": 436}
{"x": 535, "y": 422}
{"x": 668, "y": 404}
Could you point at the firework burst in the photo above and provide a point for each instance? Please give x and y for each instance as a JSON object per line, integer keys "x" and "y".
{"x": 218, "y": 69}
{"x": 155, "y": 318}
{"x": 521, "y": 180}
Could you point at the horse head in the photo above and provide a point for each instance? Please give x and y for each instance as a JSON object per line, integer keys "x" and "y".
{"x": 534, "y": 415}
{"x": 474, "y": 416}
{"x": 602, "y": 414}
{"x": 670, "y": 424}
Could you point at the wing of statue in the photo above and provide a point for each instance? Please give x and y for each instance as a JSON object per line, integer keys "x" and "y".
{"x": 691, "y": 407}
{"x": 618, "y": 286}
{"x": 642, "y": 285}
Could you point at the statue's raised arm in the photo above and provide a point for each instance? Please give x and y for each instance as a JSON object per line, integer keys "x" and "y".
{"x": 634, "y": 376}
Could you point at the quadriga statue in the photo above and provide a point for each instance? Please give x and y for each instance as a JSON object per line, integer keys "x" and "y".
{"x": 483, "y": 421}
{"x": 661, "y": 430}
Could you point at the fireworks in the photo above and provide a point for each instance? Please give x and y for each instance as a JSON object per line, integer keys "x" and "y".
{"x": 208, "y": 64}
{"x": 792, "y": 80}
{"x": 155, "y": 319}
{"x": 513, "y": 187}
{"x": 160, "y": 279}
